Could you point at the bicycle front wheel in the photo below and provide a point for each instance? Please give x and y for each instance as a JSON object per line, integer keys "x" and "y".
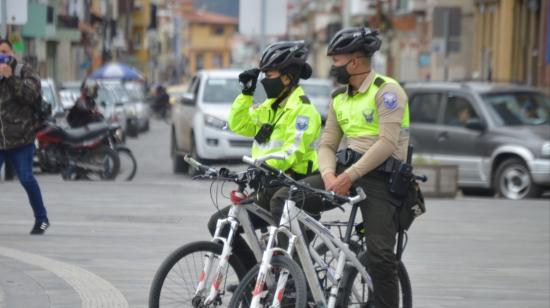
{"x": 175, "y": 283}
{"x": 293, "y": 295}
{"x": 355, "y": 292}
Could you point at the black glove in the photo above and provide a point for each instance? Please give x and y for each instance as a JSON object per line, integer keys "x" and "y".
{"x": 248, "y": 80}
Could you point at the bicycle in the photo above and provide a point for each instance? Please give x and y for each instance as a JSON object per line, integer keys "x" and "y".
{"x": 219, "y": 266}
{"x": 252, "y": 292}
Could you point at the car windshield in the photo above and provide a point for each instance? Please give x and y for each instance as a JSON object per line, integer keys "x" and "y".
{"x": 519, "y": 108}
{"x": 135, "y": 91}
{"x": 224, "y": 90}
{"x": 120, "y": 93}
{"x": 316, "y": 90}
{"x": 104, "y": 96}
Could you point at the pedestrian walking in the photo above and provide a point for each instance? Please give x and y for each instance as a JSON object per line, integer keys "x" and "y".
{"x": 20, "y": 95}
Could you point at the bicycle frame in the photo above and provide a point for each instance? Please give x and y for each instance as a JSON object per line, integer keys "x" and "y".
{"x": 237, "y": 216}
{"x": 290, "y": 227}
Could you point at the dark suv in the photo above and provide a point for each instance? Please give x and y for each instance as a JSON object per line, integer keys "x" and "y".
{"x": 497, "y": 134}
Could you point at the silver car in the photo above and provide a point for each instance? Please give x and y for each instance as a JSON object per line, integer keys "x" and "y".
{"x": 199, "y": 119}
{"x": 136, "y": 92}
{"x": 50, "y": 95}
{"x": 497, "y": 134}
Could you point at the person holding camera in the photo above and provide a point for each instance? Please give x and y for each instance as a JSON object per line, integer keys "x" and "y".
{"x": 285, "y": 123}
{"x": 20, "y": 93}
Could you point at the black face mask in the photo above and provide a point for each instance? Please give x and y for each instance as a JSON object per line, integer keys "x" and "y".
{"x": 273, "y": 87}
{"x": 340, "y": 73}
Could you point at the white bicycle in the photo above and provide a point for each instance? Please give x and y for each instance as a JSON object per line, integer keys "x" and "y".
{"x": 197, "y": 274}
{"x": 349, "y": 284}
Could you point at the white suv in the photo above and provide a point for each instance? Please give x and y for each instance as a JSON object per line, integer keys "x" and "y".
{"x": 199, "y": 120}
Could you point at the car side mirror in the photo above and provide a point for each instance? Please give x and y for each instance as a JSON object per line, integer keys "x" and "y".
{"x": 188, "y": 99}
{"x": 475, "y": 124}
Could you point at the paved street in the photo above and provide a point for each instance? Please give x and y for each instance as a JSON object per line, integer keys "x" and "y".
{"x": 107, "y": 240}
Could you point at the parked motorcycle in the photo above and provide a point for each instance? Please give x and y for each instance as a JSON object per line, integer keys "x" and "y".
{"x": 87, "y": 152}
{"x": 128, "y": 164}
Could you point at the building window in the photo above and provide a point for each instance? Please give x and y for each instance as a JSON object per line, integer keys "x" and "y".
{"x": 199, "y": 60}
{"x": 217, "y": 30}
{"x": 138, "y": 38}
{"x": 217, "y": 60}
{"x": 49, "y": 15}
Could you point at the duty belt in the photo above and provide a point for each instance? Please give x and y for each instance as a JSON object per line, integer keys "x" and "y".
{"x": 349, "y": 157}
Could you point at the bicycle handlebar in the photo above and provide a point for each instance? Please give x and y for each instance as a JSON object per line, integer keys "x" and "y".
{"x": 288, "y": 181}
{"x": 193, "y": 163}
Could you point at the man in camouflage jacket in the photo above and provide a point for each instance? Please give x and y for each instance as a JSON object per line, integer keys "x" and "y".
{"x": 19, "y": 90}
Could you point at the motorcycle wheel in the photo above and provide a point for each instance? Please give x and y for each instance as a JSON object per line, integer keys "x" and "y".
{"x": 128, "y": 164}
{"x": 109, "y": 161}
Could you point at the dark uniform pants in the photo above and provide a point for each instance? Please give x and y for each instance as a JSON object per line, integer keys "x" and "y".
{"x": 379, "y": 214}
{"x": 272, "y": 199}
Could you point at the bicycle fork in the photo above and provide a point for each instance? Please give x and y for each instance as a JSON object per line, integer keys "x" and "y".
{"x": 258, "y": 293}
{"x": 219, "y": 273}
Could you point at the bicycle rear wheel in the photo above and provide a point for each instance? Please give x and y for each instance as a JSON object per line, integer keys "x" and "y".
{"x": 175, "y": 283}
{"x": 294, "y": 294}
{"x": 362, "y": 297}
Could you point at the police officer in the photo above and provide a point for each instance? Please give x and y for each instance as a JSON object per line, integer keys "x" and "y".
{"x": 371, "y": 111}
{"x": 285, "y": 123}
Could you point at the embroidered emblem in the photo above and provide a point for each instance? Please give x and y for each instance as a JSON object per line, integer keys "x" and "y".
{"x": 302, "y": 123}
{"x": 390, "y": 100}
{"x": 369, "y": 117}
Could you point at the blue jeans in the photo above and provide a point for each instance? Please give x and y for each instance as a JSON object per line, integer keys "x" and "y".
{"x": 21, "y": 159}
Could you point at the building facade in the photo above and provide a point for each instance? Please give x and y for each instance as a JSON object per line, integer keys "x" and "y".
{"x": 508, "y": 45}
{"x": 207, "y": 40}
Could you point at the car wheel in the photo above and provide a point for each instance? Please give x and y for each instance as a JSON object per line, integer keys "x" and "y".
{"x": 513, "y": 180}
{"x": 192, "y": 171}
{"x": 178, "y": 164}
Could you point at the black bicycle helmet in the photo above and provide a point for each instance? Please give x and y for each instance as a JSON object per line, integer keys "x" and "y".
{"x": 281, "y": 55}
{"x": 354, "y": 39}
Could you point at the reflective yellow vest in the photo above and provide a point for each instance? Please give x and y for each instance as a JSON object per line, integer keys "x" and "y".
{"x": 357, "y": 115}
{"x": 297, "y": 128}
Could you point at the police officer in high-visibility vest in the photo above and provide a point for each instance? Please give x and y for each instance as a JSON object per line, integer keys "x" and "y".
{"x": 371, "y": 111}
{"x": 285, "y": 123}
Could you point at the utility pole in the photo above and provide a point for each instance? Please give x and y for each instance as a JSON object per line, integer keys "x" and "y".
{"x": 4, "y": 25}
{"x": 446, "y": 22}
{"x": 263, "y": 15}
{"x": 346, "y": 16}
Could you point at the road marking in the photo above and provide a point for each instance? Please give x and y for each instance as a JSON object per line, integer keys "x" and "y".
{"x": 94, "y": 291}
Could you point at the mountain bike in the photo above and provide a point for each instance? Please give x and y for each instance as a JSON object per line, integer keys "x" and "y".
{"x": 197, "y": 274}
{"x": 263, "y": 287}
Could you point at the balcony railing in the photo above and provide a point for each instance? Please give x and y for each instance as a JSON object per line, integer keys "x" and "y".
{"x": 64, "y": 21}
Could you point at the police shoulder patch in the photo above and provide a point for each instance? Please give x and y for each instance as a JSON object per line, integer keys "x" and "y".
{"x": 305, "y": 100}
{"x": 338, "y": 91}
{"x": 302, "y": 122}
{"x": 390, "y": 100}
